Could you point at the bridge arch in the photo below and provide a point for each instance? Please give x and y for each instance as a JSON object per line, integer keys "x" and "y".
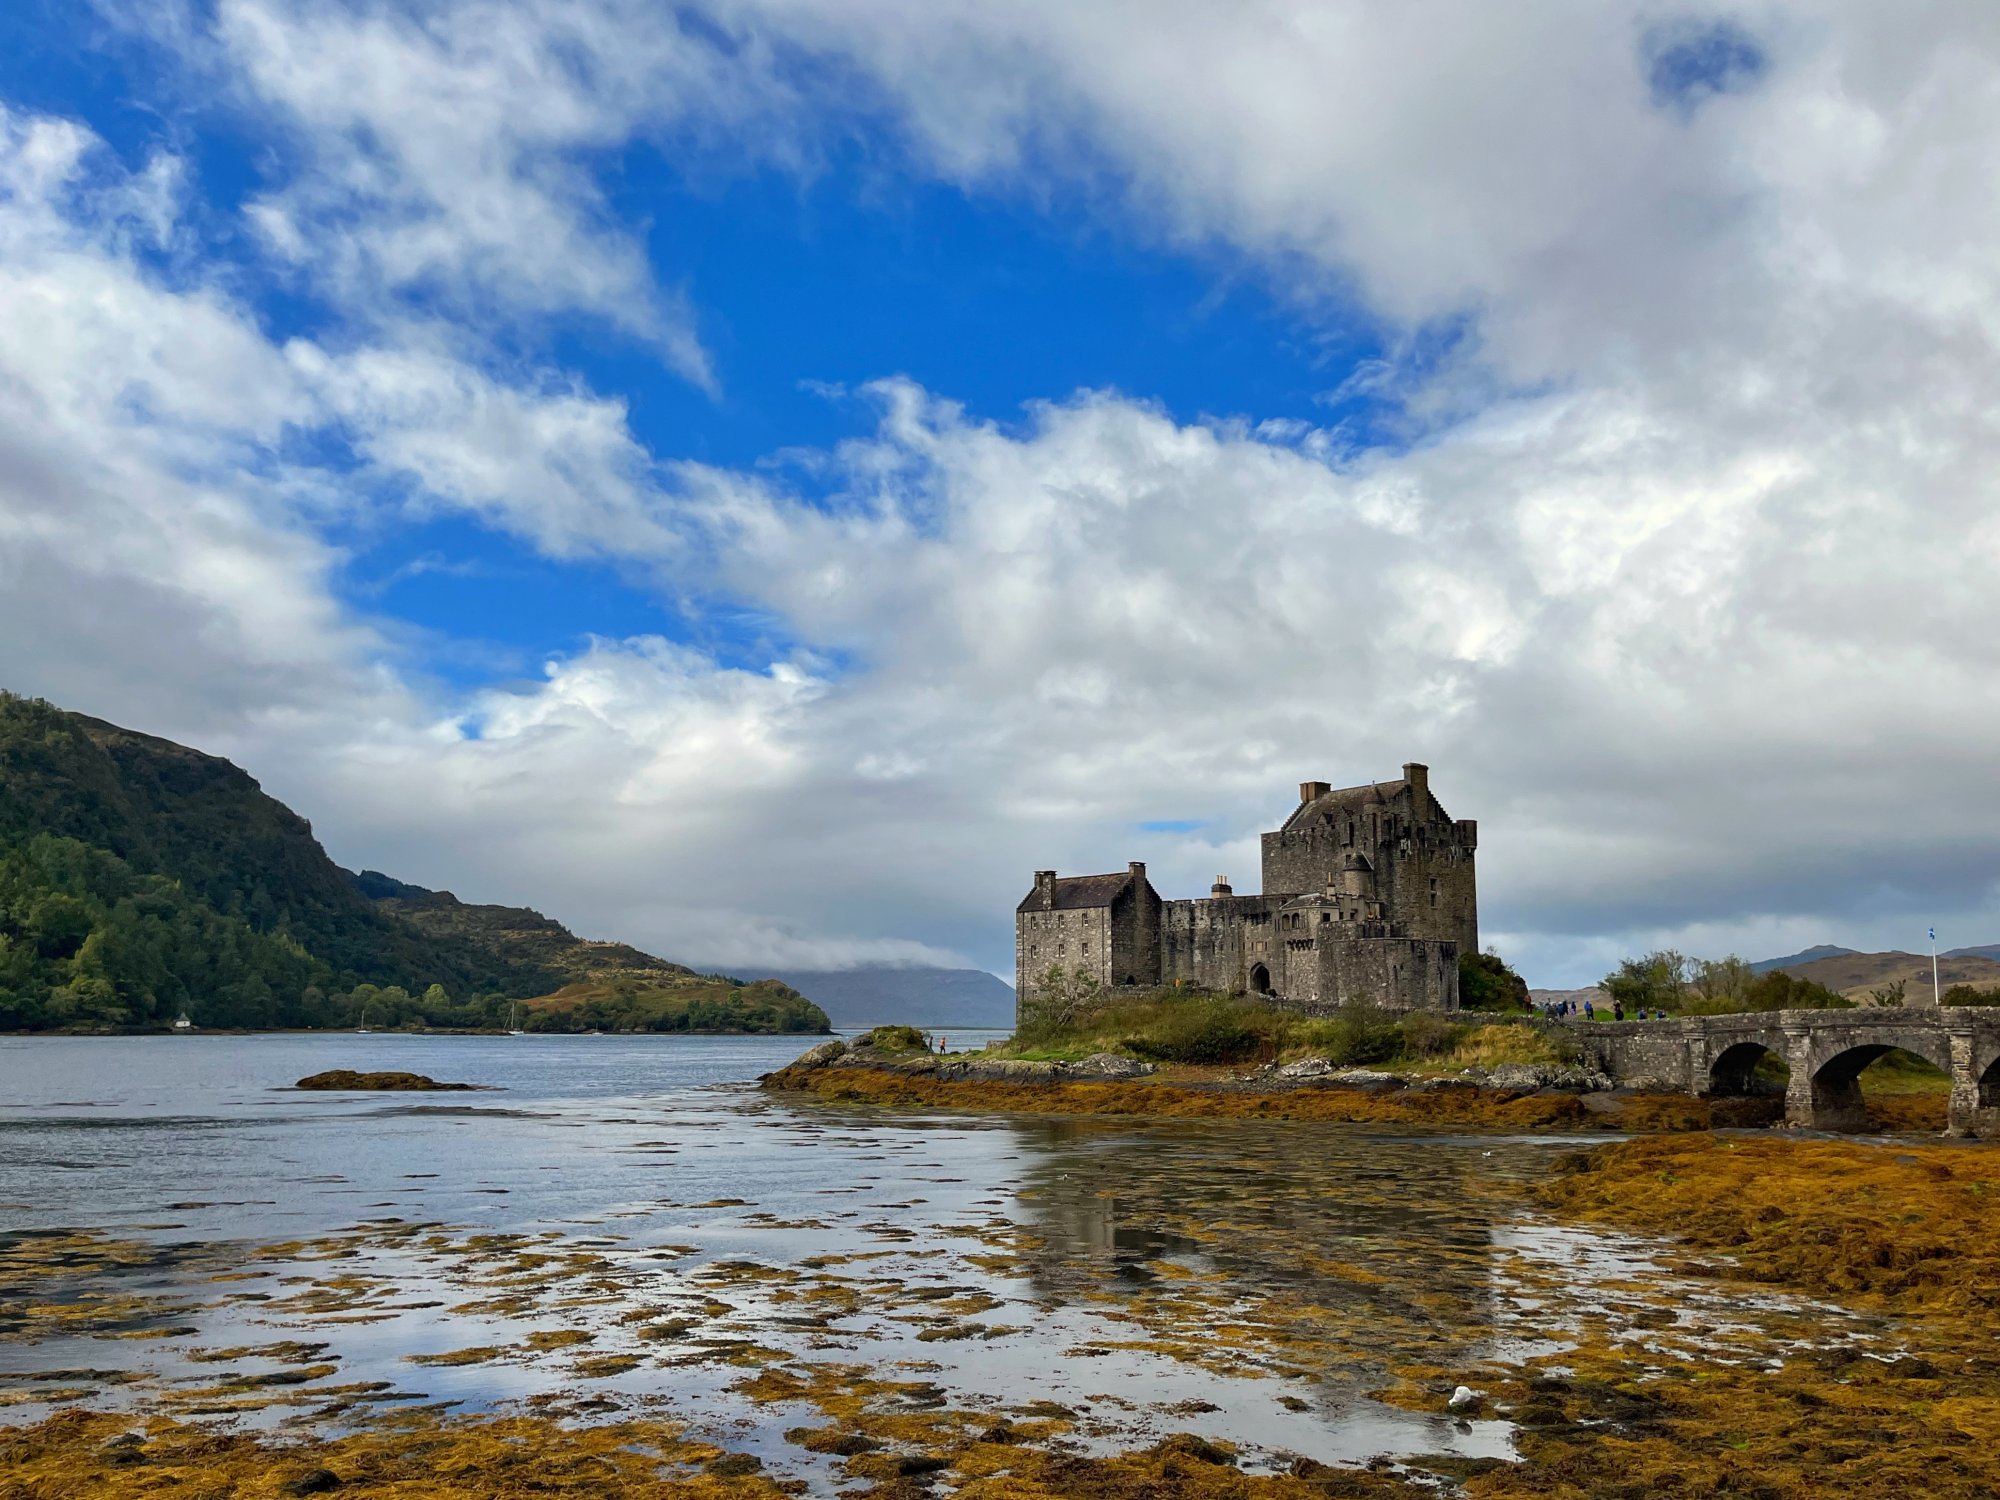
{"x": 1989, "y": 1086}
{"x": 1837, "y": 1099}
{"x": 1733, "y": 1072}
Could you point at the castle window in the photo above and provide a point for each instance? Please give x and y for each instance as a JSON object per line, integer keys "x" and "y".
{"x": 1434, "y": 890}
{"x": 1325, "y": 917}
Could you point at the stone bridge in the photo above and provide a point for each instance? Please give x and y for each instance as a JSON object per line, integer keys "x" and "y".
{"x": 1824, "y": 1049}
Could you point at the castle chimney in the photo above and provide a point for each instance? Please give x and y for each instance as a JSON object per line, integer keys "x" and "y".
{"x": 1419, "y": 778}
{"x": 1221, "y": 887}
{"x": 1137, "y": 868}
{"x": 1045, "y": 889}
{"x": 1311, "y": 791}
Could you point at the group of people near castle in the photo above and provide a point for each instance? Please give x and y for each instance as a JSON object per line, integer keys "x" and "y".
{"x": 1565, "y": 1010}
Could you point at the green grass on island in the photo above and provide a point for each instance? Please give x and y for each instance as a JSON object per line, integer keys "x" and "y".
{"x": 695, "y": 1003}
{"x": 1202, "y": 1029}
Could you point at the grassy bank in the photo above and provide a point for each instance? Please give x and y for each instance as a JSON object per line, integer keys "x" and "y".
{"x": 1171, "y": 1026}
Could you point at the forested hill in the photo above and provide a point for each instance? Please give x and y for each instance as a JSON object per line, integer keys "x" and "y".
{"x": 141, "y": 880}
{"x": 519, "y": 934}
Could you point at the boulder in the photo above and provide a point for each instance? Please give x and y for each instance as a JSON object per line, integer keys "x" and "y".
{"x": 1531, "y": 1078}
{"x": 1003, "y": 1070}
{"x": 1106, "y": 1067}
{"x": 820, "y": 1056}
{"x": 1306, "y": 1070}
{"x": 1372, "y": 1079}
{"x": 126, "y": 1449}
{"x": 1442, "y": 1085}
{"x": 861, "y": 1055}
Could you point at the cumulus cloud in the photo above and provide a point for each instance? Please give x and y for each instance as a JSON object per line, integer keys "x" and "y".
{"x": 437, "y": 160}
{"x": 1679, "y": 574}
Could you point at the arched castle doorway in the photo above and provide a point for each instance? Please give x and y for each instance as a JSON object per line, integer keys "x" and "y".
{"x": 1260, "y": 980}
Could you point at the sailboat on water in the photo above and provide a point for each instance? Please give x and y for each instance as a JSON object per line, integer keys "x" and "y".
{"x": 513, "y": 1014}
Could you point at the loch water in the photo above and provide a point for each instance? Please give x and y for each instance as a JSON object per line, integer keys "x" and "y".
{"x": 615, "y": 1220}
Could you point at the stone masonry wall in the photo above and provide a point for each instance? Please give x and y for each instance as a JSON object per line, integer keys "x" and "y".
{"x": 1215, "y": 942}
{"x": 1424, "y": 864}
{"x": 1135, "y": 934}
{"x": 1074, "y": 939}
{"x": 1330, "y": 968}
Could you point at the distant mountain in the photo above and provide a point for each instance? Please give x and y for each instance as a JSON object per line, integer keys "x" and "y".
{"x": 1804, "y": 956}
{"x": 141, "y": 880}
{"x": 915, "y": 997}
{"x": 1856, "y": 975}
{"x": 1990, "y": 950}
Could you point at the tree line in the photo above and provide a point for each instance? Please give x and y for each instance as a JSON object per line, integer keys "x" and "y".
{"x": 1669, "y": 980}
{"x": 88, "y": 943}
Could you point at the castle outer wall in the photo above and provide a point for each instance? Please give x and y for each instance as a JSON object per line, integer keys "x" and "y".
{"x": 1370, "y": 895}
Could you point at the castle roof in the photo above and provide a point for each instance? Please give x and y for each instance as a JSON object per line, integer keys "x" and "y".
{"x": 1347, "y": 799}
{"x": 1080, "y": 892}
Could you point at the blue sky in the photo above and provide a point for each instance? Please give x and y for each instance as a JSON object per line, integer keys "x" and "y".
{"x": 756, "y": 479}
{"x": 805, "y": 286}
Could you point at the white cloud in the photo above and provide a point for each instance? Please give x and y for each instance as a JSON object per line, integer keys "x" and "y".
{"x": 1684, "y": 588}
{"x": 438, "y": 160}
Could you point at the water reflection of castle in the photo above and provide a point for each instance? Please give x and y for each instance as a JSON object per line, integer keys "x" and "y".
{"x": 1391, "y": 1261}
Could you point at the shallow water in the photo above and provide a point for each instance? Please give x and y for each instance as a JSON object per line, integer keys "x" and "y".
{"x": 627, "y": 1223}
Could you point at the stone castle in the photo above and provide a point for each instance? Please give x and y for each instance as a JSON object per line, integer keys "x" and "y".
{"x": 1369, "y": 895}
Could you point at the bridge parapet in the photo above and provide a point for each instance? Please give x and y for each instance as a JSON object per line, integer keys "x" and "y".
{"x": 1824, "y": 1051}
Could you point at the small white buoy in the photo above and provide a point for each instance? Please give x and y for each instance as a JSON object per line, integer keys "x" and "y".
{"x": 1462, "y": 1398}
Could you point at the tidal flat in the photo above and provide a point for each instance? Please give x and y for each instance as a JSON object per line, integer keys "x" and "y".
{"x": 627, "y": 1271}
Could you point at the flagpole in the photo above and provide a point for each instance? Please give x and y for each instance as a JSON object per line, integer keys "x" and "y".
{"x": 1937, "y": 998}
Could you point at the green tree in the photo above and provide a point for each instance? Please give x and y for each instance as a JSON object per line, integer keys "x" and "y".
{"x": 1778, "y": 990}
{"x": 1966, "y": 994}
{"x": 1660, "y": 979}
{"x": 1486, "y": 982}
{"x": 1721, "y": 979}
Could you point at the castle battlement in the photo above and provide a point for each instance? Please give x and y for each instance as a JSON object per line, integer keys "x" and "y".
{"x": 1369, "y": 894}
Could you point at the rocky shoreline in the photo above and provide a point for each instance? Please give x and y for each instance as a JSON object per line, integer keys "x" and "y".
{"x": 1509, "y": 1096}
{"x": 1109, "y": 1067}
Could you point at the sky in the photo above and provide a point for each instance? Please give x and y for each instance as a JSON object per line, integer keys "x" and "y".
{"x": 758, "y": 478}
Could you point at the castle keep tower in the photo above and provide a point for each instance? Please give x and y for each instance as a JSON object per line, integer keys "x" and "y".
{"x": 1369, "y": 895}
{"x": 1390, "y": 844}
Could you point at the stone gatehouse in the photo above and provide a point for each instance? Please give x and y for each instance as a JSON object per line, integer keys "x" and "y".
{"x": 1369, "y": 894}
